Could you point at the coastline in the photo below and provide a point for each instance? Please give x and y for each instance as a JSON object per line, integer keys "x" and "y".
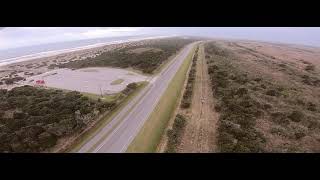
{"x": 45, "y": 54}
{"x": 24, "y": 68}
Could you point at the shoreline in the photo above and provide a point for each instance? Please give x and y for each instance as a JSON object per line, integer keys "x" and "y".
{"x": 15, "y": 72}
{"x": 8, "y": 61}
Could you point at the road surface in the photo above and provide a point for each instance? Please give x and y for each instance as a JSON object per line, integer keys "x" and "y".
{"x": 117, "y": 135}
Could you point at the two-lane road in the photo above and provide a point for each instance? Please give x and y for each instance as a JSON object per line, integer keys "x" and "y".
{"x": 117, "y": 135}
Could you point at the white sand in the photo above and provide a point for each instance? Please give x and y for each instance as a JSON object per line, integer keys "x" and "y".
{"x": 88, "y": 80}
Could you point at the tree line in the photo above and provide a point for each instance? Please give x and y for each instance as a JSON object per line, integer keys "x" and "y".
{"x": 187, "y": 96}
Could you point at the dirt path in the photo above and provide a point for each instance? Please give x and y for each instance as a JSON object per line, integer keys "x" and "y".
{"x": 200, "y": 131}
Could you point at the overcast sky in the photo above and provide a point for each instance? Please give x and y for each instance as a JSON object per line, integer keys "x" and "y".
{"x": 12, "y": 37}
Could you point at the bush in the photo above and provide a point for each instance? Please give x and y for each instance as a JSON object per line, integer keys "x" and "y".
{"x": 9, "y": 81}
{"x": 272, "y": 92}
{"x": 185, "y": 104}
{"x": 312, "y": 106}
{"x": 242, "y": 91}
{"x": 132, "y": 85}
{"x": 130, "y": 88}
{"x": 218, "y": 108}
{"x": 258, "y": 79}
{"x": 267, "y": 106}
{"x": 174, "y": 134}
{"x": 310, "y": 68}
{"x": 47, "y": 140}
{"x": 226, "y": 142}
{"x": 278, "y": 131}
{"x": 186, "y": 99}
{"x": 2, "y": 112}
{"x": 279, "y": 118}
{"x": 19, "y": 115}
{"x": 299, "y": 135}
{"x": 296, "y": 116}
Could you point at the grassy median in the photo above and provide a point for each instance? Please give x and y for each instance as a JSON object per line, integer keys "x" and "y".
{"x": 151, "y": 132}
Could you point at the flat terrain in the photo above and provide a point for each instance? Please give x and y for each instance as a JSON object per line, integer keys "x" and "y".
{"x": 117, "y": 135}
{"x": 239, "y": 96}
{"x": 200, "y": 131}
{"x": 268, "y": 96}
{"x": 90, "y": 80}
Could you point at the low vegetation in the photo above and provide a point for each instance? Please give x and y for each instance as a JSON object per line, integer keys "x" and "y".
{"x": 34, "y": 119}
{"x": 248, "y": 100}
{"x": 174, "y": 134}
{"x": 187, "y": 96}
{"x": 116, "y": 82}
{"x": 146, "y": 61}
{"x": 12, "y": 80}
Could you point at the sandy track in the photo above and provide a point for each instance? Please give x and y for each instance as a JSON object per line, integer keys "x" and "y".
{"x": 200, "y": 131}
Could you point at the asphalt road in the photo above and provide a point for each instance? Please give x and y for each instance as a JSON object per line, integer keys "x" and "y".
{"x": 117, "y": 135}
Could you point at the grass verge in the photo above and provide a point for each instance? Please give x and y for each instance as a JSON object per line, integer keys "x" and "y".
{"x": 151, "y": 132}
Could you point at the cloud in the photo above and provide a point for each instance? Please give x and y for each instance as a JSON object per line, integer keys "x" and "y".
{"x": 108, "y": 32}
{"x": 11, "y": 37}
{"x": 26, "y": 36}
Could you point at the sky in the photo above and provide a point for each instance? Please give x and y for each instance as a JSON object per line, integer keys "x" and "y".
{"x": 12, "y": 37}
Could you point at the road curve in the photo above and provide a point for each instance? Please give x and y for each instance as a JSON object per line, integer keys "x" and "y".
{"x": 116, "y": 136}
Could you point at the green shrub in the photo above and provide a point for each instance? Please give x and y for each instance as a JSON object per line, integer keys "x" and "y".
{"x": 267, "y": 106}
{"x": 299, "y": 135}
{"x": 296, "y": 116}
{"x": 47, "y": 140}
{"x": 279, "y": 118}
{"x": 312, "y": 106}
{"x": 187, "y": 96}
{"x": 272, "y": 92}
{"x": 174, "y": 134}
{"x": 9, "y": 81}
{"x": 242, "y": 91}
{"x": 19, "y": 115}
{"x": 218, "y": 108}
{"x": 278, "y": 131}
{"x": 310, "y": 68}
